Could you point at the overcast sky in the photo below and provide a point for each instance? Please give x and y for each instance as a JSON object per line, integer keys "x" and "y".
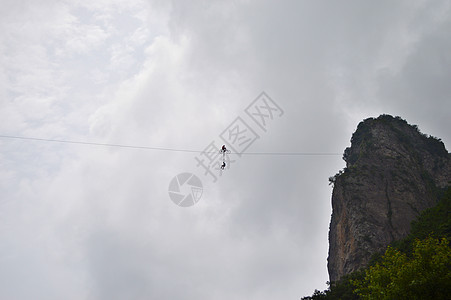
{"x": 93, "y": 222}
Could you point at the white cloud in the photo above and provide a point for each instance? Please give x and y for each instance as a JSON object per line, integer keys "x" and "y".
{"x": 97, "y": 222}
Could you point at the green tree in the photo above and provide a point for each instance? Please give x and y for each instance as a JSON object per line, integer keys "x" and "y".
{"x": 424, "y": 275}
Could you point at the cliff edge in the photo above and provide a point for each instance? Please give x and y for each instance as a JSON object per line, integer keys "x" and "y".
{"x": 393, "y": 172}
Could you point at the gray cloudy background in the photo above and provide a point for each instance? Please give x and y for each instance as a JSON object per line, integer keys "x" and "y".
{"x": 90, "y": 222}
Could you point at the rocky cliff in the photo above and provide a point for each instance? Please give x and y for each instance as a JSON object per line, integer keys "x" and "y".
{"x": 392, "y": 173}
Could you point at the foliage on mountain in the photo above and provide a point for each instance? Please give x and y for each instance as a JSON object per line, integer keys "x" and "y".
{"x": 426, "y": 274}
{"x": 416, "y": 267}
{"x": 435, "y": 221}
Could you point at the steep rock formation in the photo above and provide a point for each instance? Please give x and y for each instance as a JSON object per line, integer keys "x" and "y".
{"x": 392, "y": 173}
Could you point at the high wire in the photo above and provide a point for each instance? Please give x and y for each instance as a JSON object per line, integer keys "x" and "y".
{"x": 165, "y": 149}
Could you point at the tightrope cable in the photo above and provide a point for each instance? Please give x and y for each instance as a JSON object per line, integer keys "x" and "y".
{"x": 164, "y": 148}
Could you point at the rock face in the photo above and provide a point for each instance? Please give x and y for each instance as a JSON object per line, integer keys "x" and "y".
{"x": 392, "y": 173}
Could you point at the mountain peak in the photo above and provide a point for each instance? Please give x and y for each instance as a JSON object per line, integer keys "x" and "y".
{"x": 393, "y": 172}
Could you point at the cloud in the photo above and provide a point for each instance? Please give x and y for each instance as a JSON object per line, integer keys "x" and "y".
{"x": 419, "y": 89}
{"x": 98, "y": 223}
